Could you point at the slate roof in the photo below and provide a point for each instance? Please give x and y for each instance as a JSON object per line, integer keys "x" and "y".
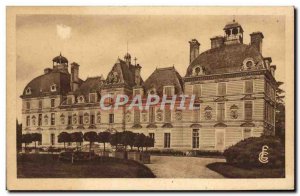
{"x": 226, "y": 58}
{"x": 60, "y": 59}
{"x": 163, "y": 77}
{"x": 40, "y": 85}
{"x": 90, "y": 85}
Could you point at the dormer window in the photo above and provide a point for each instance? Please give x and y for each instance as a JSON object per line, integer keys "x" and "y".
{"x": 169, "y": 90}
{"x": 69, "y": 100}
{"x": 248, "y": 64}
{"x": 53, "y": 87}
{"x": 80, "y": 99}
{"x": 93, "y": 97}
{"x": 152, "y": 91}
{"x": 28, "y": 91}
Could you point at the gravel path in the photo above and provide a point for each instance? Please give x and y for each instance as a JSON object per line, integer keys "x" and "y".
{"x": 183, "y": 167}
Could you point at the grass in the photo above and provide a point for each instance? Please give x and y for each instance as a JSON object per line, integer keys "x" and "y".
{"x": 48, "y": 166}
{"x": 231, "y": 171}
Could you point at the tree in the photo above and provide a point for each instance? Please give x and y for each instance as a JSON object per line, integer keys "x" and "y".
{"x": 64, "y": 137}
{"x": 19, "y": 135}
{"x": 91, "y": 137}
{"x": 26, "y": 139}
{"x": 139, "y": 141}
{"x": 149, "y": 142}
{"x": 280, "y": 113}
{"x": 104, "y": 137}
{"x": 127, "y": 139}
{"x": 115, "y": 139}
{"x": 77, "y": 137}
{"x": 36, "y": 137}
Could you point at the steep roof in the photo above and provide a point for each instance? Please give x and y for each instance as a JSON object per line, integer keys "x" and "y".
{"x": 40, "y": 85}
{"x": 60, "y": 59}
{"x": 226, "y": 58}
{"x": 164, "y": 77}
{"x": 92, "y": 84}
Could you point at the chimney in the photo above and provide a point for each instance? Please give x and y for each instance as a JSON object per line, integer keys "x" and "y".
{"x": 268, "y": 61}
{"x": 137, "y": 75}
{"x": 256, "y": 40}
{"x": 74, "y": 76}
{"x": 194, "y": 49}
{"x": 47, "y": 70}
{"x": 217, "y": 41}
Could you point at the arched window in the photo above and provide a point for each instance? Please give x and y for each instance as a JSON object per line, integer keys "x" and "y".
{"x": 28, "y": 91}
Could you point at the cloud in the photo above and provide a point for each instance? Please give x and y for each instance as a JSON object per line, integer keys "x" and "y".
{"x": 63, "y": 31}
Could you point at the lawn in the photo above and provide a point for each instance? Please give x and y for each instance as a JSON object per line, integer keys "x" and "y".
{"x": 48, "y": 166}
{"x": 230, "y": 171}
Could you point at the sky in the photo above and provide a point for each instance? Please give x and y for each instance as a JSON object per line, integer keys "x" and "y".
{"x": 96, "y": 41}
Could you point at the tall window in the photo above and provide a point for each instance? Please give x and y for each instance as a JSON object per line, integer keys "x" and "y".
{"x": 196, "y": 115}
{"x": 28, "y": 121}
{"x": 221, "y": 112}
{"x": 222, "y": 89}
{"x": 195, "y": 138}
{"x": 52, "y": 138}
{"x": 136, "y": 116}
{"x": 80, "y": 119}
{"x": 248, "y": 110}
{"x": 69, "y": 100}
{"x": 197, "y": 90}
{"x": 246, "y": 133}
{"x": 52, "y": 119}
{"x": 167, "y": 140}
{"x": 92, "y": 119}
{"x": 40, "y": 119}
{"x": 69, "y": 120}
{"x": 27, "y": 105}
{"x": 152, "y": 114}
{"x": 167, "y": 114}
{"x": 111, "y": 118}
{"x": 168, "y": 90}
{"x": 92, "y": 97}
{"x": 52, "y": 103}
{"x": 249, "y": 86}
{"x": 152, "y": 136}
{"x": 40, "y": 104}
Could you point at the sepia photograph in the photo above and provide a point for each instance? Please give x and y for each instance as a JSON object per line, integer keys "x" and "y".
{"x": 150, "y": 98}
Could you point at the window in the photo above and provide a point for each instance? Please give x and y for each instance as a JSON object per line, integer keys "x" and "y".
{"x": 136, "y": 92}
{"x": 222, "y": 89}
{"x": 167, "y": 140}
{"x": 69, "y": 100}
{"x": 80, "y": 119}
{"x": 40, "y": 142}
{"x": 111, "y": 118}
{"x": 136, "y": 116}
{"x": 168, "y": 90}
{"x": 196, "y": 115}
{"x": 92, "y": 119}
{"x": 28, "y": 91}
{"x": 221, "y": 112}
{"x": 52, "y": 119}
{"x": 152, "y": 114}
{"x": 249, "y": 86}
{"x": 246, "y": 133}
{"x": 52, "y": 103}
{"x": 69, "y": 120}
{"x": 92, "y": 97}
{"x": 195, "y": 138}
{"x": 167, "y": 115}
{"x": 28, "y": 121}
{"x": 27, "y": 105}
{"x": 53, "y": 88}
{"x": 248, "y": 110}
{"x": 80, "y": 99}
{"x": 197, "y": 90}
{"x": 40, "y": 120}
{"x": 52, "y": 139}
{"x": 40, "y": 104}
{"x": 152, "y": 136}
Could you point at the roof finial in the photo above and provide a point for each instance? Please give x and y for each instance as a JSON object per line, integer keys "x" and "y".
{"x": 127, "y": 46}
{"x": 233, "y": 18}
{"x": 60, "y": 53}
{"x": 135, "y": 60}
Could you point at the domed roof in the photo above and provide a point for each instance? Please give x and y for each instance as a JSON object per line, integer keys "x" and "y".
{"x": 41, "y": 85}
{"x": 127, "y": 56}
{"x": 232, "y": 25}
{"x": 226, "y": 59}
{"x": 60, "y": 59}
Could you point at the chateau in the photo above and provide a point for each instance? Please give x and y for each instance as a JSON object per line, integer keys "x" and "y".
{"x": 233, "y": 84}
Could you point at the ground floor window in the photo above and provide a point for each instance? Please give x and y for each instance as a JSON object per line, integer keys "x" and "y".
{"x": 246, "y": 133}
{"x": 167, "y": 140}
{"x": 52, "y": 139}
{"x": 195, "y": 138}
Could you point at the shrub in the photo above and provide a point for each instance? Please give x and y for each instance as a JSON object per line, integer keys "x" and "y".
{"x": 246, "y": 152}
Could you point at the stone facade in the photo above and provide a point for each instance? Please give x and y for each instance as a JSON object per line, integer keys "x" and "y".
{"x": 233, "y": 83}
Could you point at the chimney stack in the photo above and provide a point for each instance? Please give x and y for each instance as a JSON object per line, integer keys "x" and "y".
{"x": 256, "y": 40}
{"x": 272, "y": 69}
{"x": 217, "y": 41}
{"x": 137, "y": 75}
{"x": 74, "y": 76}
{"x": 194, "y": 49}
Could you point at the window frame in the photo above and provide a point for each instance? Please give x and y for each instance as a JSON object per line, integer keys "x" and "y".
{"x": 225, "y": 88}
{"x": 172, "y": 90}
{"x": 195, "y": 139}
{"x": 167, "y": 140}
{"x": 223, "y": 113}
{"x": 245, "y": 112}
